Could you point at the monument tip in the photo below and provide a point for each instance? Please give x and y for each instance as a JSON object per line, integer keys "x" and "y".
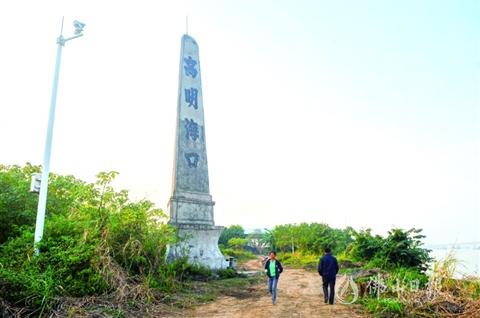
{"x": 189, "y": 37}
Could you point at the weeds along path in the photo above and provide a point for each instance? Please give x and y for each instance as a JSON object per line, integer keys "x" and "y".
{"x": 299, "y": 295}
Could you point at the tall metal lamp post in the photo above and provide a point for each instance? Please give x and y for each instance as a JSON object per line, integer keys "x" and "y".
{"x": 42, "y": 200}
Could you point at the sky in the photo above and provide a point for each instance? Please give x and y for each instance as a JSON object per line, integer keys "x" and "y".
{"x": 352, "y": 113}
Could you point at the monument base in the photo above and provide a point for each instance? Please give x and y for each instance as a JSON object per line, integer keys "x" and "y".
{"x": 200, "y": 244}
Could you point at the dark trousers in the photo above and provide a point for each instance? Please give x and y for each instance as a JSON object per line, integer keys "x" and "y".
{"x": 328, "y": 282}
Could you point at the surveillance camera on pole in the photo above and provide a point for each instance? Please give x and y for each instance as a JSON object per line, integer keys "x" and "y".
{"x": 42, "y": 199}
{"x": 78, "y": 26}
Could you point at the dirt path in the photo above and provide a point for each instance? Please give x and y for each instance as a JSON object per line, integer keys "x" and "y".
{"x": 299, "y": 295}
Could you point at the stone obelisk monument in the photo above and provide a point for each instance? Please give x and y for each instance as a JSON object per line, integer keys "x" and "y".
{"x": 191, "y": 205}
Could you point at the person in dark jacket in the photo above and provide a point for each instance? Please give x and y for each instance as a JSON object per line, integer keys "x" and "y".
{"x": 273, "y": 269}
{"x": 328, "y": 269}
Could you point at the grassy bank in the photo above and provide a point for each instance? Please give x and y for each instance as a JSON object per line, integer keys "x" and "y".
{"x": 404, "y": 293}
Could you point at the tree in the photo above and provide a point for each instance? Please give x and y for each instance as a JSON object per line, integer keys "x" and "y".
{"x": 17, "y": 204}
{"x": 268, "y": 240}
{"x": 231, "y": 232}
{"x": 365, "y": 246}
{"x": 403, "y": 249}
{"x": 310, "y": 238}
{"x": 238, "y": 243}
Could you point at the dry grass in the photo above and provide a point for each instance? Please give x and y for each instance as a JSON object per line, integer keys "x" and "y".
{"x": 445, "y": 296}
{"x": 129, "y": 298}
{"x": 8, "y": 311}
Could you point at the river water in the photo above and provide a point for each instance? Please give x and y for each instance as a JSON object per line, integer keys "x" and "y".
{"x": 468, "y": 260}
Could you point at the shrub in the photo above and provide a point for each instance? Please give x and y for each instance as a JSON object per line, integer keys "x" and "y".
{"x": 403, "y": 249}
{"x": 227, "y": 273}
{"x": 231, "y": 232}
{"x": 300, "y": 260}
{"x": 238, "y": 243}
{"x": 17, "y": 205}
{"x": 241, "y": 255}
{"x": 95, "y": 240}
{"x": 365, "y": 246}
{"x": 399, "y": 249}
{"x": 409, "y": 278}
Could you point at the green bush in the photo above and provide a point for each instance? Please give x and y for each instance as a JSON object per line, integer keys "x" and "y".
{"x": 227, "y": 273}
{"x": 233, "y": 243}
{"x": 300, "y": 260}
{"x": 240, "y": 255}
{"x": 365, "y": 246}
{"x": 399, "y": 249}
{"x": 64, "y": 268}
{"x": 403, "y": 249}
{"x": 237, "y": 243}
{"x": 197, "y": 272}
{"x": 188, "y": 272}
{"x": 231, "y": 232}
{"x": 93, "y": 236}
{"x": 407, "y": 277}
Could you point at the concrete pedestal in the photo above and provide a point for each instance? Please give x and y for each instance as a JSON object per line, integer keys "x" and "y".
{"x": 200, "y": 245}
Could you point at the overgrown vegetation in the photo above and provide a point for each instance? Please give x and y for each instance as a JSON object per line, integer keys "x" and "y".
{"x": 302, "y": 244}
{"x": 399, "y": 249}
{"x": 234, "y": 242}
{"x": 233, "y": 231}
{"x": 390, "y": 271}
{"x": 309, "y": 238}
{"x": 439, "y": 295}
{"x": 104, "y": 253}
{"x": 96, "y": 242}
